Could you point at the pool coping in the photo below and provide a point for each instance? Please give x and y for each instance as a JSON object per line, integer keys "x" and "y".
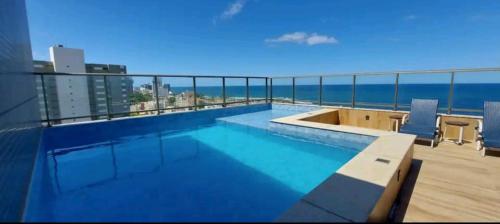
{"x": 364, "y": 188}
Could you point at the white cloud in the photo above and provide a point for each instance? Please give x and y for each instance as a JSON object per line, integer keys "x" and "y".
{"x": 233, "y": 9}
{"x": 303, "y": 38}
{"x": 410, "y": 17}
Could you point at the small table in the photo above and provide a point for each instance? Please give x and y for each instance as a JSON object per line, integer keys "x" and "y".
{"x": 397, "y": 117}
{"x": 461, "y": 125}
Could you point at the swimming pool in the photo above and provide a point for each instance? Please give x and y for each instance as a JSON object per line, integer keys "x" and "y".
{"x": 225, "y": 167}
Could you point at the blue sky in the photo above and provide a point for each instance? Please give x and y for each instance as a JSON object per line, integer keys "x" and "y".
{"x": 271, "y": 37}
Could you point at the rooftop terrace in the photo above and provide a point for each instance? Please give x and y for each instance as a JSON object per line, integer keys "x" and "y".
{"x": 151, "y": 147}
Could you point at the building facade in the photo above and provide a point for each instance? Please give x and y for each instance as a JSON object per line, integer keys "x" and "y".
{"x": 83, "y": 95}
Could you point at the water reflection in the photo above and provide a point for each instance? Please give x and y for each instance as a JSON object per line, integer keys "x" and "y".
{"x": 72, "y": 168}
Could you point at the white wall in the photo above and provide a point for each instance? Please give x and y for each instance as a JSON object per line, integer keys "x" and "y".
{"x": 72, "y": 91}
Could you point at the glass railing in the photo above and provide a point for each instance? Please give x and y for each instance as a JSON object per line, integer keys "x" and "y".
{"x": 459, "y": 91}
{"x": 236, "y": 92}
{"x": 258, "y": 90}
{"x": 424, "y": 86}
{"x": 282, "y": 90}
{"x": 68, "y": 98}
{"x": 375, "y": 91}
{"x": 307, "y": 90}
{"x": 470, "y": 90}
{"x": 337, "y": 90}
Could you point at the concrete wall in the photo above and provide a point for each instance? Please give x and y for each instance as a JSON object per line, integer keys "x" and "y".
{"x": 19, "y": 111}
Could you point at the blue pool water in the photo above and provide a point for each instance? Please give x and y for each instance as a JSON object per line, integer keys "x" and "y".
{"x": 221, "y": 171}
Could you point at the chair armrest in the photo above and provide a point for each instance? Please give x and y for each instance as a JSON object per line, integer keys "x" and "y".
{"x": 478, "y": 130}
{"x": 438, "y": 124}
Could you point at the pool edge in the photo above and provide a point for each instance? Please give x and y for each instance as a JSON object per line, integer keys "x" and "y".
{"x": 363, "y": 189}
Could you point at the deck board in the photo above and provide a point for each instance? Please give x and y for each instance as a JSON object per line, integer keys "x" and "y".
{"x": 451, "y": 183}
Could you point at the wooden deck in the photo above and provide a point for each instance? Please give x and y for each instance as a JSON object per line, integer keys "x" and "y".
{"x": 450, "y": 183}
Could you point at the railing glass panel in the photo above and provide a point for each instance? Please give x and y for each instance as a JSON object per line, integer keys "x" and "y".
{"x": 307, "y": 90}
{"x": 424, "y": 86}
{"x": 131, "y": 95}
{"x": 175, "y": 94}
{"x": 337, "y": 90}
{"x": 236, "y": 91}
{"x": 41, "y": 99}
{"x": 282, "y": 90}
{"x": 257, "y": 90}
{"x": 209, "y": 93}
{"x": 375, "y": 91}
{"x": 471, "y": 89}
{"x": 68, "y": 99}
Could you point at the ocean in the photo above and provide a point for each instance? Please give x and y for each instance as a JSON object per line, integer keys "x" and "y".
{"x": 467, "y": 98}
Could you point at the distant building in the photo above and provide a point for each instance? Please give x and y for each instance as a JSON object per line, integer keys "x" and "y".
{"x": 145, "y": 89}
{"x": 82, "y": 95}
{"x": 163, "y": 93}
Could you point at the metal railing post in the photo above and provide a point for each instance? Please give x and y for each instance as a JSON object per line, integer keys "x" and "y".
{"x": 195, "y": 104}
{"x": 106, "y": 96}
{"x": 320, "y": 90}
{"x": 223, "y": 91}
{"x": 396, "y": 92}
{"x": 271, "y": 89}
{"x": 450, "y": 96}
{"x": 293, "y": 90}
{"x": 157, "y": 96}
{"x": 266, "y": 89}
{"x": 247, "y": 92}
{"x": 353, "y": 103}
{"x": 45, "y": 100}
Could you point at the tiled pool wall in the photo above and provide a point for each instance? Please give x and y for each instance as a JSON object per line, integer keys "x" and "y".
{"x": 344, "y": 139}
{"x": 20, "y": 125}
{"x": 38, "y": 178}
{"x": 347, "y": 140}
{"x": 297, "y": 108}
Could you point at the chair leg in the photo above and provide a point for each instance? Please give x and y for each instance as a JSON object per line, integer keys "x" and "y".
{"x": 484, "y": 152}
{"x": 478, "y": 145}
{"x": 435, "y": 140}
{"x": 444, "y": 133}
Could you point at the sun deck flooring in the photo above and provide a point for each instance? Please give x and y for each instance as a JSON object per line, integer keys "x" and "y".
{"x": 451, "y": 183}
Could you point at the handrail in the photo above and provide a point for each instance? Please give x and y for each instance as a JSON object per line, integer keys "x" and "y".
{"x": 146, "y": 75}
{"x": 413, "y": 72}
{"x": 416, "y": 72}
